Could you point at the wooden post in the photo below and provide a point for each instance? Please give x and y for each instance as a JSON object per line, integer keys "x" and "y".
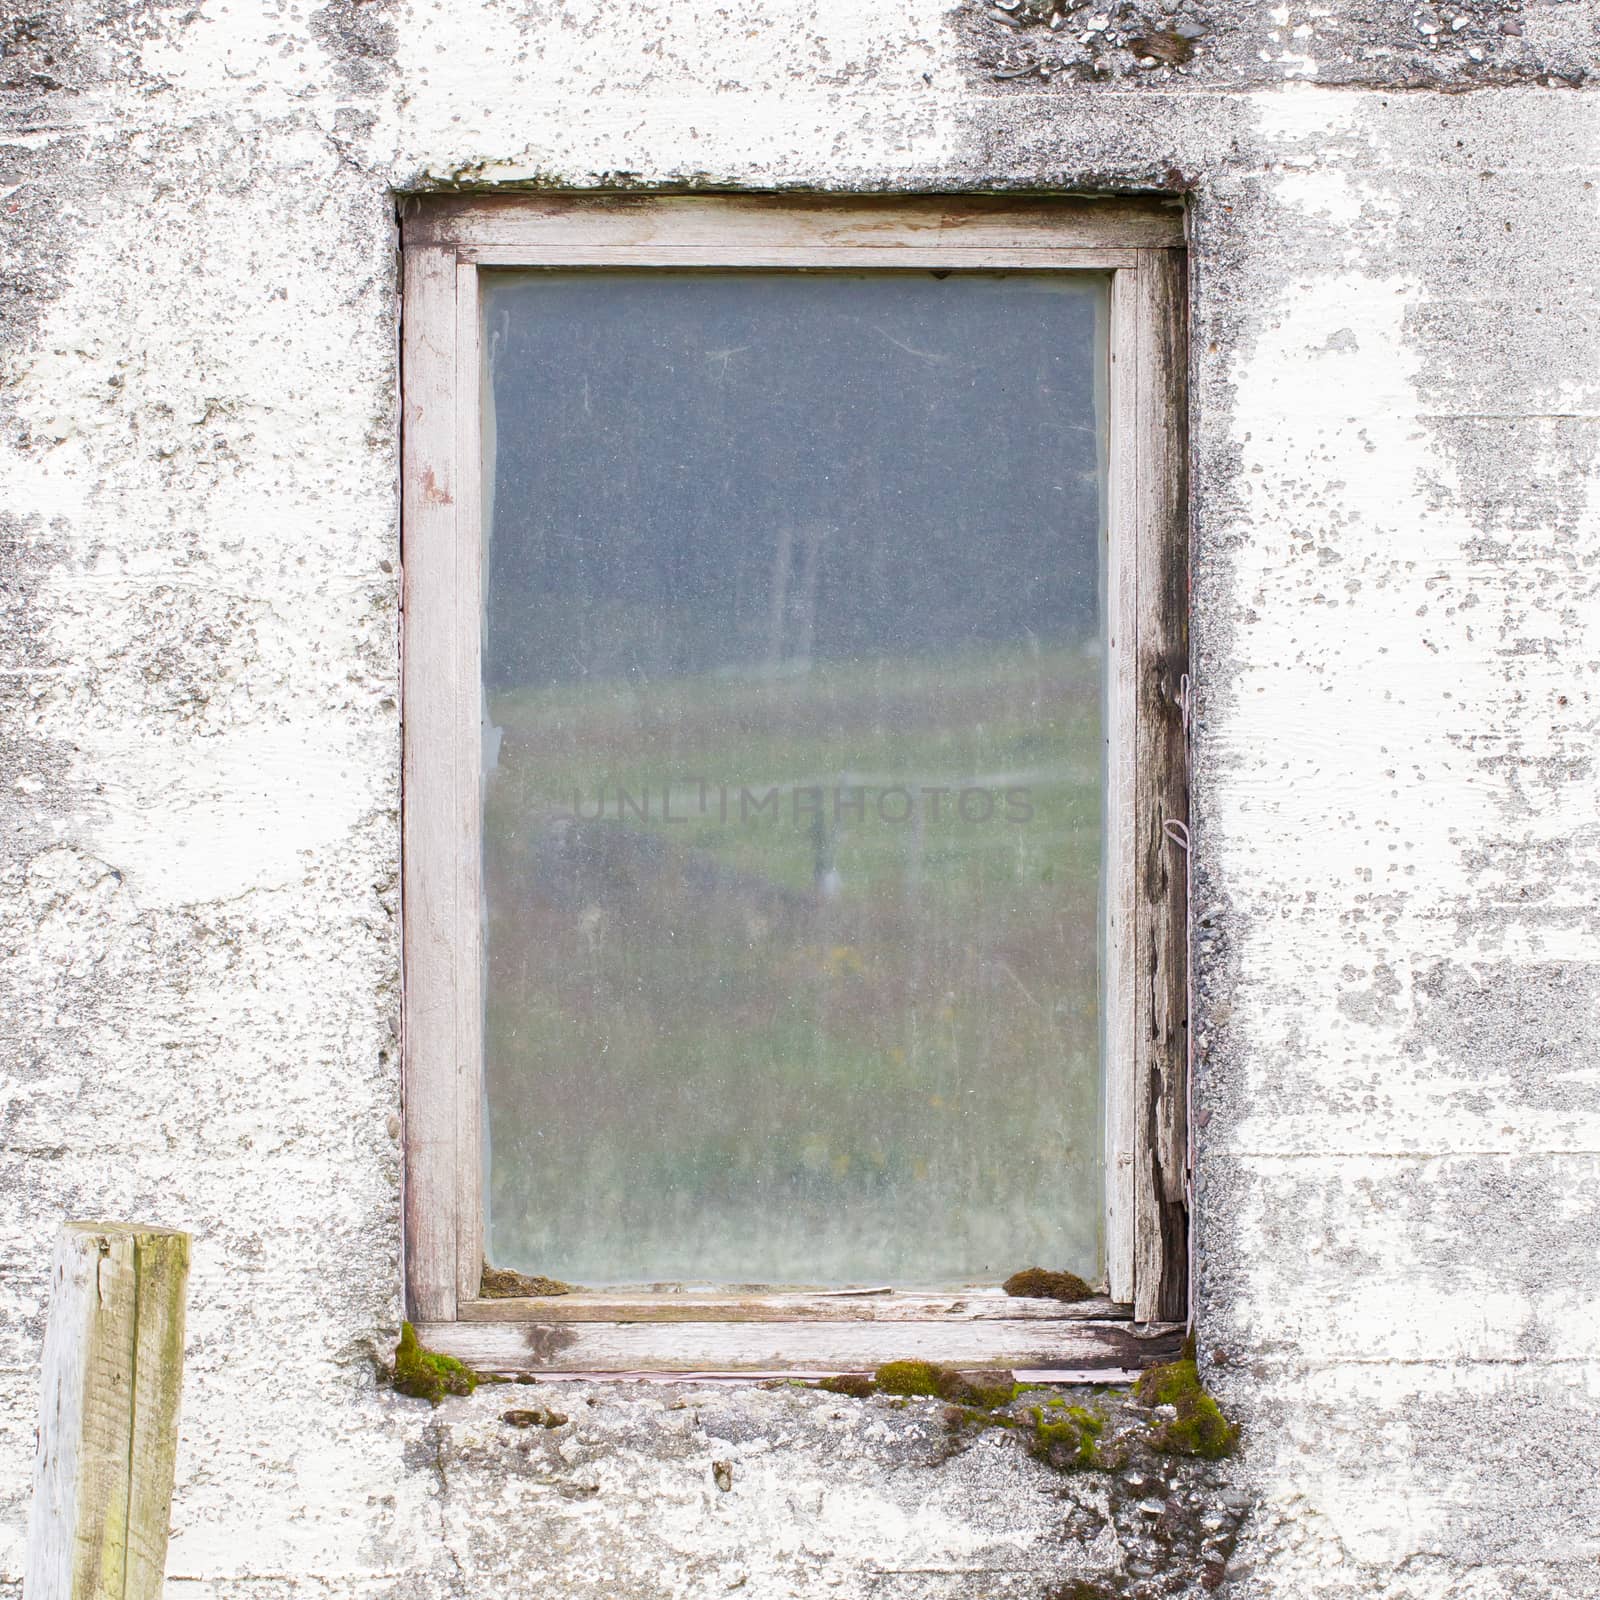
{"x": 108, "y": 1414}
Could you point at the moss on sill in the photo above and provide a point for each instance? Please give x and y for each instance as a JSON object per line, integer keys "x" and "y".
{"x": 1063, "y": 1436}
{"x": 927, "y": 1379}
{"x": 503, "y": 1283}
{"x": 1038, "y": 1283}
{"x": 425, "y": 1374}
{"x": 1188, "y": 1422}
{"x": 1183, "y": 1420}
{"x": 1066, "y": 1437}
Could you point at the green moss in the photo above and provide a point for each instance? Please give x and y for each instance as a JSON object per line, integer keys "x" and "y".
{"x": 975, "y": 1419}
{"x": 1039, "y": 1284}
{"x": 501, "y": 1283}
{"x": 1065, "y": 1436}
{"x": 986, "y": 1389}
{"x": 1199, "y": 1428}
{"x": 425, "y": 1374}
{"x": 990, "y": 1390}
{"x": 909, "y": 1378}
{"x": 1068, "y": 1438}
{"x": 855, "y": 1384}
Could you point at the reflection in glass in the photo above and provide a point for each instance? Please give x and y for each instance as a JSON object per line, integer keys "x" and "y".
{"x": 792, "y": 842}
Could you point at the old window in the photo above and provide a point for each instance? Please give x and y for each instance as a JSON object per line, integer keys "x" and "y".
{"x": 794, "y": 794}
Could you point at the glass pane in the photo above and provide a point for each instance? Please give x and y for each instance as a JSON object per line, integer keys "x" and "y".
{"x": 793, "y": 755}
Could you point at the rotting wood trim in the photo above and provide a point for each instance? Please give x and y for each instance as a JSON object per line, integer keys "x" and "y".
{"x": 790, "y": 221}
{"x": 897, "y": 1307}
{"x": 1146, "y": 997}
{"x": 800, "y": 1348}
{"x": 756, "y": 1375}
{"x": 429, "y": 961}
{"x": 110, "y": 1387}
{"x": 467, "y": 816}
{"x": 800, "y": 258}
{"x": 1161, "y": 1287}
{"x": 1118, "y": 979}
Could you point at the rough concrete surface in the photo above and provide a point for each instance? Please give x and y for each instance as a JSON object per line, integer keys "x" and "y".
{"x": 1396, "y": 369}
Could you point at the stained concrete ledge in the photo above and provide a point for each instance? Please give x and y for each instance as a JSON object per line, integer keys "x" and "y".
{"x": 649, "y": 1490}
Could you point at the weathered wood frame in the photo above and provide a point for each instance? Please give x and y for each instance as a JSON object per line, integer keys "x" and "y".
{"x": 446, "y": 242}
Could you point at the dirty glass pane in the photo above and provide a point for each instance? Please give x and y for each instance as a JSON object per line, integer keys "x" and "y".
{"x": 792, "y": 683}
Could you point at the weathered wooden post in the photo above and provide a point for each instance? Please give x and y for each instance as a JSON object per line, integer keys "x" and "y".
{"x": 108, "y": 1414}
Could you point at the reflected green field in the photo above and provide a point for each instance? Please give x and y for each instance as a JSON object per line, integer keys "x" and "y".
{"x": 836, "y": 1041}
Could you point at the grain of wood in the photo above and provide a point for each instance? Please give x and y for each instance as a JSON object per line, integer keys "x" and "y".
{"x": 465, "y": 641}
{"x": 958, "y": 1307}
{"x": 1161, "y": 1225}
{"x": 818, "y": 1347}
{"x": 788, "y": 222}
{"x": 430, "y": 782}
{"x": 1119, "y": 990}
{"x": 826, "y": 257}
{"x": 447, "y": 241}
{"x": 112, "y": 1375}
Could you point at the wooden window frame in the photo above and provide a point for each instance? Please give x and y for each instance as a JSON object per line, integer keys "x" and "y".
{"x": 446, "y": 241}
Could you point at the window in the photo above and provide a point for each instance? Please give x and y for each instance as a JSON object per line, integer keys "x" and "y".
{"x": 794, "y": 780}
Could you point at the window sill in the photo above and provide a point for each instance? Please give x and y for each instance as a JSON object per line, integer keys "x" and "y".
{"x": 774, "y": 1335}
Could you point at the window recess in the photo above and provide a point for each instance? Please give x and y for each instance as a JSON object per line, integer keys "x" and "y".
{"x": 794, "y": 779}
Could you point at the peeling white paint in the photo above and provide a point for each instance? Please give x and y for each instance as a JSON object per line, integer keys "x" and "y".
{"x": 1397, "y": 662}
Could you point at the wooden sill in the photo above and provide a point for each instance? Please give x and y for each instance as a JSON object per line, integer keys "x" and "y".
{"x": 896, "y": 1305}
{"x": 795, "y": 1335}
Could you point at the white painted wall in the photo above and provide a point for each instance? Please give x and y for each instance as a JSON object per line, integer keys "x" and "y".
{"x": 1397, "y": 641}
